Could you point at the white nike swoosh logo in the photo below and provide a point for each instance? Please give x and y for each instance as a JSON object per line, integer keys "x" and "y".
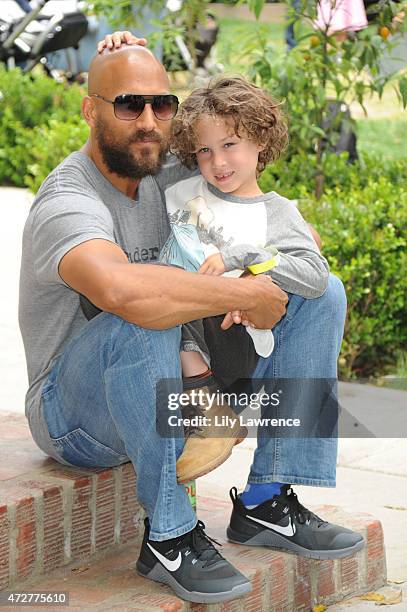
{"x": 288, "y": 530}
{"x": 171, "y": 566}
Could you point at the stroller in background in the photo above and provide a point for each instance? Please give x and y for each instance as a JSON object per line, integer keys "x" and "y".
{"x": 27, "y": 41}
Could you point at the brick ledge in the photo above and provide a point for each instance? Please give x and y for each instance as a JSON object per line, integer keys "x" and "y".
{"x": 53, "y": 516}
{"x": 281, "y": 582}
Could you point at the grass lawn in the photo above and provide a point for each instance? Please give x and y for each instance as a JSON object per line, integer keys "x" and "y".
{"x": 382, "y": 132}
{"x": 235, "y": 35}
{"x": 385, "y": 137}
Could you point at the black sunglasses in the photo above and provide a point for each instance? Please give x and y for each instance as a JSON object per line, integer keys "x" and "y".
{"x": 130, "y": 106}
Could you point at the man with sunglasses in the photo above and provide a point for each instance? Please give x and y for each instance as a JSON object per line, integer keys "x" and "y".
{"x": 94, "y": 384}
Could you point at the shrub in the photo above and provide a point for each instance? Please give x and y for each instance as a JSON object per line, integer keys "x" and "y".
{"x": 294, "y": 178}
{"x": 51, "y": 144}
{"x": 362, "y": 219}
{"x": 29, "y": 105}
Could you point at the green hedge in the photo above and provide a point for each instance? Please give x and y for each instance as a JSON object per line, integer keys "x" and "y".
{"x": 40, "y": 123}
{"x": 362, "y": 218}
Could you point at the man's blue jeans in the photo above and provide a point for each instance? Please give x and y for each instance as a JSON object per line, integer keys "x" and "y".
{"x": 99, "y": 403}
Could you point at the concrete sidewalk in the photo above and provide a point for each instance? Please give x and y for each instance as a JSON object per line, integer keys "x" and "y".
{"x": 372, "y": 473}
{"x": 15, "y": 204}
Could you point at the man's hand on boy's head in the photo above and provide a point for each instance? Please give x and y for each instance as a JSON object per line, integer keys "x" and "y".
{"x": 213, "y": 265}
{"x": 117, "y": 39}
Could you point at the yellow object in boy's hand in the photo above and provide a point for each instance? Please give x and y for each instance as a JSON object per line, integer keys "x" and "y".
{"x": 213, "y": 265}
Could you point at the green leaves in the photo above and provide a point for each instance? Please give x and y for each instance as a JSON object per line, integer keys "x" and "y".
{"x": 125, "y": 12}
{"x": 256, "y": 7}
{"x": 403, "y": 90}
{"x": 362, "y": 220}
{"x": 31, "y": 108}
{"x": 366, "y": 248}
{"x": 321, "y": 71}
{"x": 134, "y": 15}
{"x": 50, "y": 144}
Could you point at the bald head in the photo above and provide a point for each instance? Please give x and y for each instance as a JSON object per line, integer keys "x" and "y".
{"x": 128, "y": 148}
{"x": 118, "y": 69}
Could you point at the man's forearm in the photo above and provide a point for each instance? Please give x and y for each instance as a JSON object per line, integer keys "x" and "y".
{"x": 159, "y": 297}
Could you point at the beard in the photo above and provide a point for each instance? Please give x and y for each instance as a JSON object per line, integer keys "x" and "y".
{"x": 120, "y": 157}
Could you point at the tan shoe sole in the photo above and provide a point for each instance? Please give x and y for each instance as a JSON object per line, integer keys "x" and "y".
{"x": 212, "y": 465}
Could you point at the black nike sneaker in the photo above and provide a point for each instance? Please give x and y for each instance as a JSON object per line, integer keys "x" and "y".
{"x": 283, "y": 523}
{"x": 192, "y": 567}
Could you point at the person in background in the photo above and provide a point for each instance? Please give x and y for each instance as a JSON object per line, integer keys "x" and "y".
{"x": 289, "y": 31}
{"x": 339, "y": 17}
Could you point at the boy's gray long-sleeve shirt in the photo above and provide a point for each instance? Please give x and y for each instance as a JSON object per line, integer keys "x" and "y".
{"x": 246, "y": 231}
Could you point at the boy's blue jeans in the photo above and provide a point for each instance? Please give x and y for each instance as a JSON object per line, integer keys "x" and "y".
{"x": 99, "y": 403}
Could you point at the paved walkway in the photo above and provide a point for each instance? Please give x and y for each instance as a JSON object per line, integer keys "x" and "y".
{"x": 15, "y": 204}
{"x": 372, "y": 473}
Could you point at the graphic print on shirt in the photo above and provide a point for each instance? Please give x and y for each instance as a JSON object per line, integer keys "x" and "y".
{"x": 142, "y": 255}
{"x": 190, "y": 228}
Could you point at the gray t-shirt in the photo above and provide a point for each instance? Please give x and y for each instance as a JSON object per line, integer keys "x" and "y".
{"x": 77, "y": 203}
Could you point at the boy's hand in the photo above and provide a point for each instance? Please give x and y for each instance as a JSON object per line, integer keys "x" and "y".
{"x": 213, "y": 265}
{"x": 268, "y": 307}
{"x": 117, "y": 39}
{"x": 236, "y": 316}
{"x": 255, "y": 318}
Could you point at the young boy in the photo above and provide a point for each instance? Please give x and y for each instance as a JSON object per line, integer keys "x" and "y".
{"x": 221, "y": 221}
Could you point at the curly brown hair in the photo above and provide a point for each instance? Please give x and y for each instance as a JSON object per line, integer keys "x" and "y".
{"x": 255, "y": 113}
